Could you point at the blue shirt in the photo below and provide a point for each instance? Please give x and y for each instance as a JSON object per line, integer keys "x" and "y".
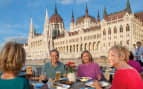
{"x": 138, "y": 52}
{"x": 50, "y": 70}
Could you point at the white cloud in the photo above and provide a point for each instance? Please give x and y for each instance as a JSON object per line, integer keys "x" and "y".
{"x": 34, "y": 4}
{"x": 19, "y": 39}
{"x": 4, "y": 3}
{"x": 12, "y": 29}
{"x": 81, "y": 1}
{"x": 66, "y": 1}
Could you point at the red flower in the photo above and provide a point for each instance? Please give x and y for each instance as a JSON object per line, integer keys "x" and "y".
{"x": 70, "y": 66}
{"x": 73, "y": 66}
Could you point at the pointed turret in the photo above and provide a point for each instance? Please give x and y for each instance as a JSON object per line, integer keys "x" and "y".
{"x": 72, "y": 17}
{"x": 31, "y": 26}
{"x": 128, "y": 8}
{"x": 105, "y": 12}
{"x": 98, "y": 17}
{"x": 46, "y": 22}
{"x": 86, "y": 11}
{"x": 46, "y": 17}
{"x": 56, "y": 12}
{"x": 32, "y": 32}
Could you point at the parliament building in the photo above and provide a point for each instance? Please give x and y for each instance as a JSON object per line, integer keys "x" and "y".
{"x": 86, "y": 33}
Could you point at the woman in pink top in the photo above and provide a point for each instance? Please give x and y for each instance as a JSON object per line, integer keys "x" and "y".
{"x": 88, "y": 68}
{"x": 125, "y": 77}
{"x": 134, "y": 64}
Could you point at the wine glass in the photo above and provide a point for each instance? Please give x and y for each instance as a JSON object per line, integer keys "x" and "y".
{"x": 44, "y": 79}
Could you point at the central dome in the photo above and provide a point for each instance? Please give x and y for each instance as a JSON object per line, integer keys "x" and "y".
{"x": 56, "y": 19}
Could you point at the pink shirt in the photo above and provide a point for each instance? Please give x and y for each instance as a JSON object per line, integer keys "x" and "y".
{"x": 136, "y": 65}
{"x": 91, "y": 70}
{"x": 127, "y": 79}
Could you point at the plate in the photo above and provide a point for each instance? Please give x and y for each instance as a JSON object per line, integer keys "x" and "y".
{"x": 39, "y": 85}
{"x": 64, "y": 79}
{"x": 63, "y": 86}
{"x": 84, "y": 79}
{"x": 103, "y": 83}
{"x": 89, "y": 83}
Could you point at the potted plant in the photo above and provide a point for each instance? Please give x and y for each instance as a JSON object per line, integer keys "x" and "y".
{"x": 70, "y": 66}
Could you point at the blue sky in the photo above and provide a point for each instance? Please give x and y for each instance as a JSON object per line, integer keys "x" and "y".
{"x": 15, "y": 14}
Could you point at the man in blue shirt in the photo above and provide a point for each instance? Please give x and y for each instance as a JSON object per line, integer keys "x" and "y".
{"x": 138, "y": 52}
{"x": 49, "y": 69}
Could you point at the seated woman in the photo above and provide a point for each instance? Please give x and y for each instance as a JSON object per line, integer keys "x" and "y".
{"x": 88, "y": 68}
{"x": 12, "y": 59}
{"x": 125, "y": 77}
{"x": 134, "y": 64}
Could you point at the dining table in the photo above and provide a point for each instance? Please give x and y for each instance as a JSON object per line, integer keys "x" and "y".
{"x": 74, "y": 85}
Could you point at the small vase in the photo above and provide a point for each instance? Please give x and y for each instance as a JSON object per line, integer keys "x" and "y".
{"x": 71, "y": 77}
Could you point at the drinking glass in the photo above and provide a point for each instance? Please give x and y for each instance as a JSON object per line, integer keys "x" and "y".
{"x": 45, "y": 80}
{"x": 58, "y": 75}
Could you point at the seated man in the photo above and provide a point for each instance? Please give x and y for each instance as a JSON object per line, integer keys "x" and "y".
{"x": 49, "y": 69}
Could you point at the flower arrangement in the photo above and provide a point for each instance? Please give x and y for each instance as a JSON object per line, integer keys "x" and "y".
{"x": 70, "y": 67}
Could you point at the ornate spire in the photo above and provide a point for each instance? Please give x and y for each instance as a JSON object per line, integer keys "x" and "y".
{"x": 31, "y": 20}
{"x": 98, "y": 17}
{"x": 128, "y": 9}
{"x": 105, "y": 12}
{"x": 72, "y": 17}
{"x": 56, "y": 12}
{"x": 46, "y": 12}
{"x": 46, "y": 17}
{"x": 46, "y": 22}
{"x": 31, "y": 28}
{"x": 86, "y": 11}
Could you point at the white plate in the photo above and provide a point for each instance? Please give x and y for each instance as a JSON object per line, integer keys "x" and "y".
{"x": 89, "y": 83}
{"x": 103, "y": 83}
{"x": 84, "y": 79}
{"x": 63, "y": 86}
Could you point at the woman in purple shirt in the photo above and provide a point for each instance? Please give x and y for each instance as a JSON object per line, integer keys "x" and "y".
{"x": 88, "y": 68}
{"x": 134, "y": 63}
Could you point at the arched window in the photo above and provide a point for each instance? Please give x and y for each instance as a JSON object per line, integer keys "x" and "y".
{"x": 70, "y": 49}
{"x": 114, "y": 42}
{"x": 77, "y": 48}
{"x": 127, "y": 42}
{"x": 104, "y": 32}
{"x": 109, "y": 31}
{"x": 121, "y": 43}
{"x": 81, "y": 47}
{"x": 127, "y": 27}
{"x": 115, "y": 29}
{"x": 121, "y": 28}
{"x": 85, "y": 46}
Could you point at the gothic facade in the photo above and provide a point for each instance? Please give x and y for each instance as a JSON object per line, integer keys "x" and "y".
{"x": 86, "y": 33}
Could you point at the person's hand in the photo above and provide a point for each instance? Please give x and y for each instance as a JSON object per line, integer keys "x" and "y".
{"x": 97, "y": 85}
{"x": 42, "y": 77}
{"x": 64, "y": 75}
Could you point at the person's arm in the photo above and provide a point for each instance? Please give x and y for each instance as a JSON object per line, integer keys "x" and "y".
{"x": 65, "y": 71}
{"x": 79, "y": 71}
{"x": 99, "y": 77}
{"x": 98, "y": 72}
{"x": 97, "y": 85}
{"x": 139, "y": 67}
{"x": 44, "y": 70}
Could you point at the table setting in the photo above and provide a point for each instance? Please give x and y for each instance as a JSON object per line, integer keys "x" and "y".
{"x": 80, "y": 83}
